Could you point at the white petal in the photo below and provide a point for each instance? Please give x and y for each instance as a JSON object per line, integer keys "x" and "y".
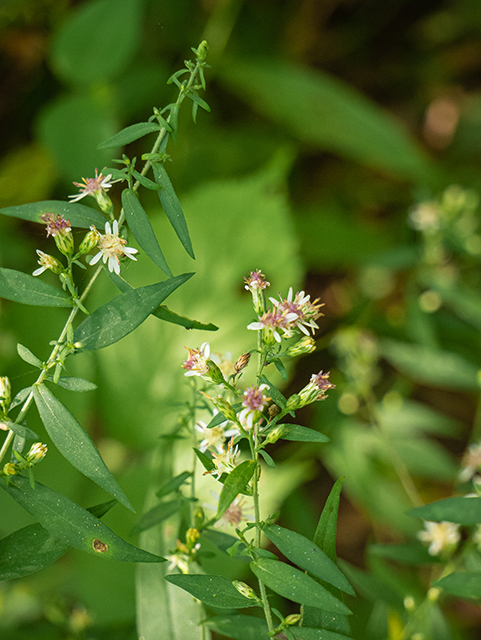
{"x": 96, "y": 258}
{"x": 115, "y": 227}
{"x": 37, "y": 272}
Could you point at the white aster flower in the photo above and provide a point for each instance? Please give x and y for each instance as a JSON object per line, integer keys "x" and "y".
{"x": 112, "y": 248}
{"x": 442, "y": 536}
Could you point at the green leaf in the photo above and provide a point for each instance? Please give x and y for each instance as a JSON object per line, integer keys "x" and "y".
{"x": 74, "y": 443}
{"x": 466, "y": 510}
{"x": 76, "y": 384}
{"x": 463, "y": 585}
{"x": 307, "y": 555}
{"x": 214, "y": 591}
{"x": 239, "y": 627}
{"x": 163, "y": 313}
{"x": 173, "y": 484}
{"x": 158, "y": 514}
{"x": 325, "y": 536}
{"x": 140, "y": 226}
{"x": 146, "y": 182}
{"x": 172, "y": 207}
{"x": 269, "y": 461}
{"x": 409, "y": 553}
{"x": 129, "y": 134}
{"x": 84, "y": 51}
{"x": 325, "y": 112}
{"x": 28, "y": 356}
{"x": 205, "y": 460}
{"x": 274, "y": 392}
{"x": 296, "y": 432}
{"x": 26, "y": 289}
{"x": 73, "y": 524}
{"x": 21, "y": 430}
{"x": 305, "y": 633}
{"x": 33, "y": 548}
{"x": 117, "y": 318}
{"x": 296, "y": 585}
{"x": 427, "y": 366}
{"x": 78, "y": 214}
{"x": 235, "y": 483}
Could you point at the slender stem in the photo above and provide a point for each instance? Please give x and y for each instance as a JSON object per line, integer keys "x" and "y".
{"x": 194, "y": 457}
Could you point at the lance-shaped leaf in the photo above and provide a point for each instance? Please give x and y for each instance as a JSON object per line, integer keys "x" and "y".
{"x": 463, "y": 585}
{"x": 164, "y": 313}
{"x": 214, "y": 591}
{"x": 158, "y": 514}
{"x": 239, "y": 627}
{"x": 173, "y": 484}
{"x": 140, "y": 226}
{"x": 28, "y": 356}
{"x": 21, "y": 430}
{"x": 117, "y": 318}
{"x": 306, "y": 633}
{"x": 172, "y": 207}
{"x": 235, "y": 483}
{"x": 298, "y": 433}
{"x": 296, "y": 585}
{"x": 74, "y": 443}
{"x": 24, "y": 288}
{"x": 129, "y": 134}
{"x": 78, "y": 214}
{"x": 76, "y": 384}
{"x": 73, "y": 524}
{"x": 33, "y": 548}
{"x": 307, "y": 555}
{"x": 465, "y": 510}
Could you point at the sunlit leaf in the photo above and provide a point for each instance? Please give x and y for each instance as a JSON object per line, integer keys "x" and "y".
{"x": 214, "y": 591}
{"x": 296, "y": 432}
{"x": 463, "y": 585}
{"x": 235, "y": 483}
{"x": 129, "y": 134}
{"x": 27, "y": 289}
{"x": 73, "y": 524}
{"x": 74, "y": 443}
{"x": 75, "y": 384}
{"x": 117, "y": 318}
{"x": 296, "y": 585}
{"x": 78, "y": 214}
{"x": 140, "y": 226}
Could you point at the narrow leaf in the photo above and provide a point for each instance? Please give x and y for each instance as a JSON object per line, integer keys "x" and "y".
{"x": 239, "y": 627}
{"x": 129, "y": 134}
{"x": 78, "y": 214}
{"x": 305, "y": 633}
{"x": 146, "y": 182}
{"x": 214, "y": 591}
{"x": 274, "y": 392}
{"x": 27, "y": 356}
{"x": 76, "y": 384}
{"x": 269, "y": 461}
{"x": 33, "y": 548}
{"x": 172, "y": 207}
{"x": 24, "y": 288}
{"x": 140, "y": 226}
{"x": 466, "y": 510}
{"x": 464, "y": 585}
{"x": 164, "y": 313}
{"x": 298, "y": 433}
{"x": 235, "y": 483}
{"x": 73, "y": 524}
{"x": 409, "y": 553}
{"x": 74, "y": 443}
{"x": 308, "y": 556}
{"x": 158, "y": 514}
{"x": 173, "y": 484}
{"x": 325, "y": 536}
{"x": 21, "y": 430}
{"x": 296, "y": 585}
{"x": 205, "y": 460}
{"x": 117, "y": 318}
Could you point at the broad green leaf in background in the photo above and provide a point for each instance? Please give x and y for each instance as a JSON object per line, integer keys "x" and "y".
{"x": 466, "y": 510}
{"x": 296, "y": 585}
{"x": 27, "y": 289}
{"x": 427, "y": 366}
{"x": 307, "y": 555}
{"x": 463, "y": 585}
{"x": 119, "y": 317}
{"x": 32, "y": 548}
{"x": 409, "y": 553}
{"x": 73, "y": 524}
{"x": 74, "y": 443}
{"x": 173, "y": 484}
{"x": 97, "y": 41}
{"x": 239, "y": 627}
{"x": 235, "y": 483}
{"x": 158, "y": 514}
{"x": 21, "y": 430}
{"x": 214, "y": 591}
{"x": 298, "y": 433}
{"x": 172, "y": 207}
{"x": 77, "y": 214}
{"x": 129, "y": 134}
{"x": 325, "y": 112}
{"x": 140, "y": 226}
{"x": 371, "y": 587}
{"x": 304, "y": 633}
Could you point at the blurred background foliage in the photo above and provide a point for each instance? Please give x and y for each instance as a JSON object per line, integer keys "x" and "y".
{"x": 331, "y": 121}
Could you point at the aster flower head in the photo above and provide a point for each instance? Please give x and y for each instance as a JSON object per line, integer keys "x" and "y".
{"x": 47, "y": 262}
{"x": 471, "y": 463}
{"x": 196, "y": 363}
{"x": 441, "y": 536}
{"x": 316, "y": 390}
{"x": 215, "y": 437}
{"x": 253, "y": 402}
{"x": 225, "y": 461}
{"x": 97, "y": 188}
{"x": 255, "y": 282}
{"x": 60, "y": 230}
{"x": 112, "y": 248}
{"x": 306, "y": 311}
{"x": 274, "y": 324}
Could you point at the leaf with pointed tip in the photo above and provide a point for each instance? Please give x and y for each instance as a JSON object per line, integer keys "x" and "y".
{"x": 117, "y": 318}
{"x": 235, "y": 483}
{"x": 296, "y": 585}
{"x": 172, "y": 207}
{"x": 274, "y": 392}
{"x": 129, "y": 134}
{"x": 140, "y": 226}
{"x": 26, "y": 289}
{"x": 21, "y": 430}
{"x": 239, "y": 627}
{"x": 463, "y": 585}
{"x": 74, "y": 443}
{"x": 298, "y": 433}
{"x": 214, "y": 591}
{"x": 71, "y": 523}
{"x": 75, "y": 384}
{"x": 77, "y": 214}
{"x": 465, "y": 510}
{"x": 32, "y": 548}
{"x": 28, "y": 356}
{"x": 173, "y": 484}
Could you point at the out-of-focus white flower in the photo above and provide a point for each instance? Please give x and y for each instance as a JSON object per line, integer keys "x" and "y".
{"x": 196, "y": 363}
{"x": 441, "y": 536}
{"x": 471, "y": 463}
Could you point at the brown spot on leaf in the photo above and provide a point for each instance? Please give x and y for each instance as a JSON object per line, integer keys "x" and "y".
{"x": 99, "y": 546}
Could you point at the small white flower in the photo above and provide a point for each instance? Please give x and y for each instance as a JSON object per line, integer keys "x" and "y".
{"x": 441, "y": 536}
{"x": 471, "y": 463}
{"x": 215, "y": 437}
{"x": 196, "y": 363}
{"x": 112, "y": 248}
{"x": 92, "y": 186}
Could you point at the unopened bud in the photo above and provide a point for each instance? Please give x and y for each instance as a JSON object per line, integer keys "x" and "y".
{"x": 64, "y": 242}
{"x": 5, "y": 393}
{"x": 214, "y": 374}
{"x": 10, "y": 469}
{"x": 274, "y": 435}
{"x": 242, "y": 362}
{"x": 293, "y": 403}
{"x": 245, "y": 590}
{"x": 202, "y": 50}
{"x": 304, "y": 345}
{"x": 104, "y": 201}
{"x": 225, "y": 408}
{"x": 273, "y": 410}
{"x": 199, "y": 516}
{"x": 293, "y": 618}
{"x": 37, "y": 452}
{"x": 90, "y": 241}
{"x": 191, "y": 537}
